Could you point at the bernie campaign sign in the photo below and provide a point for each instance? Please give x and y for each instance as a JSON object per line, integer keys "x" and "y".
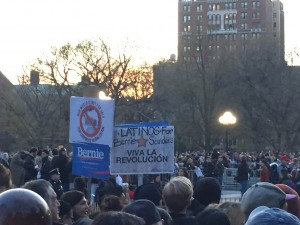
{"x": 144, "y": 148}
{"x": 91, "y": 160}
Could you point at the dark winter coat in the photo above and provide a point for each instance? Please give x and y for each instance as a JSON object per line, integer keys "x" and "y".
{"x": 30, "y": 171}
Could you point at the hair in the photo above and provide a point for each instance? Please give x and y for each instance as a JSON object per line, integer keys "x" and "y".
{"x": 234, "y": 212}
{"x": 33, "y": 149}
{"x": 40, "y": 187}
{"x": 46, "y": 151}
{"x": 72, "y": 197}
{"x": 54, "y": 151}
{"x": 185, "y": 171}
{"x": 5, "y": 177}
{"x": 64, "y": 208}
{"x": 211, "y": 216}
{"x": 39, "y": 152}
{"x": 111, "y": 203}
{"x": 120, "y": 218}
{"x": 61, "y": 150}
{"x": 165, "y": 216}
{"x": 177, "y": 194}
{"x": 207, "y": 190}
{"x": 81, "y": 185}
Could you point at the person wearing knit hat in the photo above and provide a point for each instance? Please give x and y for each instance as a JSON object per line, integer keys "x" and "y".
{"x": 207, "y": 190}
{"x": 117, "y": 218}
{"x": 145, "y": 209}
{"x": 211, "y": 216}
{"x": 79, "y": 205}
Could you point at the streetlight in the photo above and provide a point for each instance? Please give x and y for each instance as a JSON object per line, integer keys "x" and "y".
{"x": 227, "y": 119}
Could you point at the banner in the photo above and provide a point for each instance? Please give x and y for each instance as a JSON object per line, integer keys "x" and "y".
{"x": 91, "y": 120}
{"x": 142, "y": 149}
{"x": 91, "y": 160}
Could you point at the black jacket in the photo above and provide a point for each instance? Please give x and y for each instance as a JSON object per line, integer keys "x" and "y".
{"x": 29, "y": 166}
{"x": 242, "y": 171}
{"x": 46, "y": 167}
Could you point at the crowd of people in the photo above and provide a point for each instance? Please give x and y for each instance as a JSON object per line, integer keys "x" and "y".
{"x": 42, "y": 183}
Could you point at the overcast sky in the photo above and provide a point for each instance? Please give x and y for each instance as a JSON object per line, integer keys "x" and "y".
{"x": 29, "y": 28}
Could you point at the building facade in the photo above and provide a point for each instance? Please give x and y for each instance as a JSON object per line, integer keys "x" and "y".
{"x": 208, "y": 27}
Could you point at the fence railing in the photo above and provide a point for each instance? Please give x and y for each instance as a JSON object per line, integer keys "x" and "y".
{"x": 228, "y": 182}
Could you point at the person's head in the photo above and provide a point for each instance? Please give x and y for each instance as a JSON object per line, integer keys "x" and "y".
{"x": 293, "y": 205}
{"x": 264, "y": 194}
{"x": 120, "y": 218}
{"x": 177, "y": 194}
{"x": 21, "y": 206}
{"x": 54, "y": 151}
{"x": 78, "y": 202}
{"x": 145, "y": 209}
{"x": 111, "y": 203}
{"x": 5, "y": 178}
{"x": 233, "y": 211}
{"x": 263, "y": 215}
{"x": 182, "y": 171}
{"x": 62, "y": 151}
{"x": 65, "y": 213}
{"x": 33, "y": 151}
{"x": 165, "y": 216}
{"x": 284, "y": 173}
{"x": 211, "y": 216}
{"x": 45, "y": 153}
{"x": 54, "y": 174}
{"x": 45, "y": 190}
{"x": 79, "y": 183}
{"x": 207, "y": 190}
{"x": 155, "y": 178}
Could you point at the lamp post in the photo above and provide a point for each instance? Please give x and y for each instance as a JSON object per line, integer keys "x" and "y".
{"x": 227, "y": 119}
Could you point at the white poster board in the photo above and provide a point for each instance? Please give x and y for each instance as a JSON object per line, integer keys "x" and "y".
{"x": 91, "y": 120}
{"x": 143, "y": 149}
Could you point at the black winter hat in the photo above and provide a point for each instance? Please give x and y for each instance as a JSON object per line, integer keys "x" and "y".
{"x": 145, "y": 209}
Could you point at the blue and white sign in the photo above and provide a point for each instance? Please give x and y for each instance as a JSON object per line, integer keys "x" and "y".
{"x": 145, "y": 148}
{"x": 91, "y": 120}
{"x": 91, "y": 160}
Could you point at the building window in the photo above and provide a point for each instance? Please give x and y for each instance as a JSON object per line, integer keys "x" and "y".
{"x": 256, "y": 15}
{"x": 209, "y": 7}
{"x": 244, "y": 36}
{"x": 244, "y": 26}
{"x": 244, "y": 5}
{"x": 199, "y": 18}
{"x": 186, "y": 19}
{"x": 199, "y": 8}
{"x": 274, "y": 15}
{"x": 187, "y": 28}
{"x": 199, "y": 28}
{"x": 255, "y": 35}
{"x": 244, "y": 15}
{"x": 255, "y": 4}
{"x": 274, "y": 24}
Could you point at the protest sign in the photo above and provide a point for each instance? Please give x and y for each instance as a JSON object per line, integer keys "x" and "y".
{"x": 91, "y": 160}
{"x": 142, "y": 149}
{"x": 91, "y": 120}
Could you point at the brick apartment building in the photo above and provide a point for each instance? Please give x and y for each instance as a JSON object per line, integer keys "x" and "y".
{"x": 210, "y": 26}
